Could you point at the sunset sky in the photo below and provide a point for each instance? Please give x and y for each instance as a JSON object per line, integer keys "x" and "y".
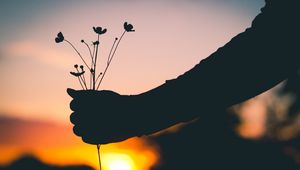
{"x": 171, "y": 37}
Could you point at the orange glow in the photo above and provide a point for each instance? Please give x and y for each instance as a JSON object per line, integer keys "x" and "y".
{"x": 135, "y": 152}
{"x": 118, "y": 162}
{"x": 253, "y": 117}
{"x": 34, "y": 71}
{"x": 57, "y": 145}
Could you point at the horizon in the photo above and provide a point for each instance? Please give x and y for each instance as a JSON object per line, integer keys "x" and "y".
{"x": 171, "y": 37}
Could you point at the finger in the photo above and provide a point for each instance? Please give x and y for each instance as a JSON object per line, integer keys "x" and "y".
{"x": 90, "y": 140}
{"x": 96, "y": 140}
{"x": 74, "y": 105}
{"x": 74, "y": 118}
{"x": 72, "y": 92}
{"x": 84, "y": 106}
{"x": 93, "y": 137}
{"x": 78, "y": 93}
{"x": 77, "y": 131}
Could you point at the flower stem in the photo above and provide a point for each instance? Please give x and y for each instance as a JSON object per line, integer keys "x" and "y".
{"x": 82, "y": 79}
{"x": 98, "y": 77}
{"x": 77, "y": 53}
{"x": 95, "y": 64}
{"x": 110, "y": 59}
{"x": 99, "y": 158}
{"x": 91, "y": 74}
{"x": 89, "y": 51}
{"x": 80, "y": 83}
{"x": 117, "y": 46}
{"x": 111, "y": 50}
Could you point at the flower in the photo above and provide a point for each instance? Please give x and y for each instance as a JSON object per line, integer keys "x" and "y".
{"x": 60, "y": 38}
{"x": 81, "y": 67}
{"x": 99, "y": 30}
{"x": 76, "y": 66}
{"x": 96, "y": 43}
{"x": 77, "y": 74}
{"x": 128, "y": 27}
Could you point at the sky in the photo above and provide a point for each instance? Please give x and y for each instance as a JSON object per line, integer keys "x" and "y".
{"x": 171, "y": 37}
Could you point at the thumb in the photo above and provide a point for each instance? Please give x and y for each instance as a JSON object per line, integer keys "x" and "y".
{"x": 72, "y": 93}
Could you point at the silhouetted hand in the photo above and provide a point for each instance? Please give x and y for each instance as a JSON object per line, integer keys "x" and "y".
{"x": 102, "y": 117}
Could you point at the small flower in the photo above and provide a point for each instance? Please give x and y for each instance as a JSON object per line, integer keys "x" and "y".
{"x": 128, "y": 27}
{"x": 116, "y": 38}
{"x": 77, "y": 74}
{"x": 76, "y": 66}
{"x": 96, "y": 43}
{"x": 82, "y": 41}
{"x": 60, "y": 38}
{"x": 99, "y": 30}
{"x": 81, "y": 67}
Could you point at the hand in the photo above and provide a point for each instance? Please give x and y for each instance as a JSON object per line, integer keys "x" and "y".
{"x": 102, "y": 117}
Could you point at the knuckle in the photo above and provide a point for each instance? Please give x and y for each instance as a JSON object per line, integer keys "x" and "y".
{"x": 73, "y": 105}
{"x": 77, "y": 131}
{"x": 88, "y": 140}
{"x": 74, "y": 118}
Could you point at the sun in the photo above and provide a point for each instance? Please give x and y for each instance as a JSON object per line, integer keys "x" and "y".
{"x": 118, "y": 162}
{"x": 119, "y": 165}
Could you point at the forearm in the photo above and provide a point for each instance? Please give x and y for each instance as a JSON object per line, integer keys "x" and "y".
{"x": 251, "y": 63}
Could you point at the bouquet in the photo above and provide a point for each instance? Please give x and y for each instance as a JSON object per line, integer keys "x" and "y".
{"x": 95, "y": 79}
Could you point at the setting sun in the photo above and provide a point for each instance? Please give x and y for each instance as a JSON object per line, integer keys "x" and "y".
{"x": 118, "y": 162}
{"x": 171, "y": 37}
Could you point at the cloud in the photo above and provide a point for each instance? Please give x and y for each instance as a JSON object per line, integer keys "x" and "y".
{"x": 30, "y": 133}
{"x": 56, "y": 144}
{"x": 39, "y": 52}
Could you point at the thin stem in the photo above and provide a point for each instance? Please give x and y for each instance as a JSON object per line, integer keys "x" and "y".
{"x": 99, "y": 158}
{"x": 80, "y": 83}
{"x": 77, "y": 53}
{"x": 111, "y": 50}
{"x": 89, "y": 51}
{"x": 82, "y": 79}
{"x": 93, "y": 51}
{"x": 108, "y": 58}
{"x": 91, "y": 74}
{"x": 90, "y": 80}
{"x": 95, "y": 64}
{"x": 108, "y": 63}
{"x": 98, "y": 77}
{"x": 117, "y": 46}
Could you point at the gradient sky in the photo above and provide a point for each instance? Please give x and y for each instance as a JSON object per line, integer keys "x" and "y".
{"x": 171, "y": 37}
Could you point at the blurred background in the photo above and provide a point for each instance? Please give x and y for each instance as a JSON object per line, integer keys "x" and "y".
{"x": 171, "y": 37}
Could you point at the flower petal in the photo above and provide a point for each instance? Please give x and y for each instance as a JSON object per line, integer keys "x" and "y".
{"x": 128, "y": 27}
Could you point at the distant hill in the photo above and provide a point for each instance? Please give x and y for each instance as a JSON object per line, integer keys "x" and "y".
{"x": 29, "y": 162}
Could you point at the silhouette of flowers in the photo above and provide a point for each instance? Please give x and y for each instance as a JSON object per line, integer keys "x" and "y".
{"x": 77, "y": 74}
{"x": 128, "y": 27}
{"x": 95, "y": 81}
{"x": 92, "y": 67}
{"x": 60, "y": 38}
{"x": 99, "y": 30}
{"x": 96, "y": 43}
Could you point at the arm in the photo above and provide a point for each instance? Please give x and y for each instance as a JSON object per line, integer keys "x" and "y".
{"x": 251, "y": 63}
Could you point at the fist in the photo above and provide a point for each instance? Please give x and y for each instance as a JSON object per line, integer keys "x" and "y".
{"x": 102, "y": 117}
